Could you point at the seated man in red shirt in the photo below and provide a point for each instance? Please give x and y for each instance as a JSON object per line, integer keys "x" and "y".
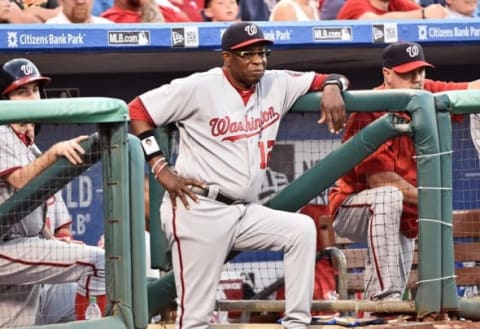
{"x": 143, "y": 11}
{"x": 192, "y": 8}
{"x": 376, "y": 202}
{"x": 386, "y": 9}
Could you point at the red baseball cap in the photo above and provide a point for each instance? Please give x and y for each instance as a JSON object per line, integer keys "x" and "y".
{"x": 243, "y": 34}
{"x": 403, "y": 57}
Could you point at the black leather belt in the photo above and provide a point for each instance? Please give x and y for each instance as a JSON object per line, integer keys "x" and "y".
{"x": 220, "y": 197}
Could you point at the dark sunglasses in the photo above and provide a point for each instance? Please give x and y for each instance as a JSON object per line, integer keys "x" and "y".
{"x": 250, "y": 54}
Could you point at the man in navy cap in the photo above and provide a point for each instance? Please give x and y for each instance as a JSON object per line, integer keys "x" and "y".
{"x": 228, "y": 119}
{"x": 376, "y": 202}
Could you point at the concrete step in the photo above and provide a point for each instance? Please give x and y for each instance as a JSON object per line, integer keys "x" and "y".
{"x": 390, "y": 325}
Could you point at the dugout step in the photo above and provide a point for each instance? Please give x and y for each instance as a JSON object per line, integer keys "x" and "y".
{"x": 409, "y": 325}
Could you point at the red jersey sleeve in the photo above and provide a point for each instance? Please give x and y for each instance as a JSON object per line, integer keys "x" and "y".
{"x": 402, "y": 5}
{"x": 379, "y": 161}
{"x": 137, "y": 111}
{"x": 353, "y": 9}
{"x": 382, "y": 160}
{"x": 317, "y": 82}
{"x": 173, "y": 16}
{"x": 118, "y": 15}
{"x": 439, "y": 86}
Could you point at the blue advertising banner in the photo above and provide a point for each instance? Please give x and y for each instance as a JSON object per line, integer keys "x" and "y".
{"x": 84, "y": 199}
{"x": 141, "y": 37}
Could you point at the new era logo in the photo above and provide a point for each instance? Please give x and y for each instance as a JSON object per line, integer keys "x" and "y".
{"x": 177, "y": 39}
{"x": 385, "y": 33}
{"x": 377, "y": 33}
{"x": 185, "y": 37}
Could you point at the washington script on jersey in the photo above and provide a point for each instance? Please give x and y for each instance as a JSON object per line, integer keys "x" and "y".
{"x": 248, "y": 127}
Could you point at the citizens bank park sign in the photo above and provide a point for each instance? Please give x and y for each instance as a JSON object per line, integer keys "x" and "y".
{"x": 48, "y": 37}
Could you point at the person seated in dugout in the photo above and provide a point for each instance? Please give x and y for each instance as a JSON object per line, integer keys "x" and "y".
{"x": 30, "y": 254}
{"x": 376, "y": 202}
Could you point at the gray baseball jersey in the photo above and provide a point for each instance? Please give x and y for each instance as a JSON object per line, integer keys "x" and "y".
{"x": 227, "y": 143}
{"x": 15, "y": 154}
{"x": 57, "y": 212}
{"x": 27, "y": 261}
{"x": 222, "y": 140}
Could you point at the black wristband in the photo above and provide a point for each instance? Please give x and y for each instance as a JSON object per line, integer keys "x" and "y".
{"x": 149, "y": 145}
{"x": 336, "y": 79}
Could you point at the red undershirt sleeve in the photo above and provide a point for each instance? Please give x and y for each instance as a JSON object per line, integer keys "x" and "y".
{"x": 317, "y": 82}
{"x": 138, "y": 112}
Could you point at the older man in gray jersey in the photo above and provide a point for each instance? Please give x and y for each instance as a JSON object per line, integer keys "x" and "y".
{"x": 228, "y": 119}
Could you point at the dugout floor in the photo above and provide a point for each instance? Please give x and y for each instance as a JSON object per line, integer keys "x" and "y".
{"x": 406, "y": 325}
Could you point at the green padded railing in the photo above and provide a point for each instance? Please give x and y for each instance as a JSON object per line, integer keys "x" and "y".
{"x": 421, "y": 106}
{"x": 111, "y": 115}
{"x": 65, "y": 110}
{"x": 137, "y": 226}
{"x": 456, "y": 102}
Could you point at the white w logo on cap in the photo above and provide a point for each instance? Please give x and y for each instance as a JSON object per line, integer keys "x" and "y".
{"x": 27, "y": 69}
{"x": 251, "y": 29}
{"x": 413, "y": 51}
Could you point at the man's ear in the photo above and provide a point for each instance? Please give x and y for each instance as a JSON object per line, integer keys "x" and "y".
{"x": 226, "y": 58}
{"x": 387, "y": 75}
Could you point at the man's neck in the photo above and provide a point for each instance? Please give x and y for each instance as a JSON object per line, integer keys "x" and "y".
{"x": 126, "y": 6}
{"x": 240, "y": 87}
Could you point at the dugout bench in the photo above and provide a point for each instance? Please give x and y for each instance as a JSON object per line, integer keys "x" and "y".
{"x": 466, "y": 230}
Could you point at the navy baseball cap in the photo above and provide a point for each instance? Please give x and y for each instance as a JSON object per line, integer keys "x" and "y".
{"x": 243, "y": 34}
{"x": 404, "y": 57}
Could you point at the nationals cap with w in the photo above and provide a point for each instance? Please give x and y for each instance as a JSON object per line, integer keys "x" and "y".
{"x": 243, "y": 34}
{"x": 404, "y": 57}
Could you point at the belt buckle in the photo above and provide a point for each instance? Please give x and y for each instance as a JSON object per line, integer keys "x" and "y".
{"x": 199, "y": 190}
{"x": 213, "y": 191}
